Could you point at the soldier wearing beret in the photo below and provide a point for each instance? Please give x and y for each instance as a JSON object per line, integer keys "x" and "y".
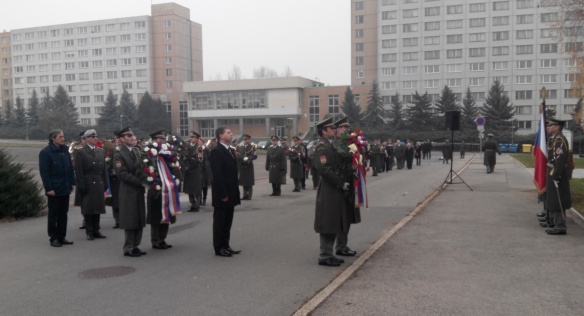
{"x": 191, "y": 169}
{"x": 276, "y": 166}
{"x": 91, "y": 183}
{"x": 330, "y": 202}
{"x": 247, "y": 154}
{"x": 132, "y": 206}
{"x": 558, "y": 196}
{"x": 490, "y": 147}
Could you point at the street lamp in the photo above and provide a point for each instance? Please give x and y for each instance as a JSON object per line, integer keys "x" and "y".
{"x": 121, "y": 125}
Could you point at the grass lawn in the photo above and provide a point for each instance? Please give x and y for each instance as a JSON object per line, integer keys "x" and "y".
{"x": 576, "y": 185}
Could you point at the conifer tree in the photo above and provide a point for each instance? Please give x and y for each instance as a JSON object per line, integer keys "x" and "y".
{"x": 470, "y": 111}
{"x": 19, "y": 114}
{"x": 8, "y": 115}
{"x": 447, "y": 101}
{"x": 352, "y": 110}
{"x": 152, "y": 115}
{"x": 578, "y": 119}
{"x": 59, "y": 112}
{"x": 374, "y": 116}
{"x": 128, "y": 108}
{"x": 109, "y": 118}
{"x": 32, "y": 112}
{"x": 498, "y": 110}
{"x": 397, "y": 120}
{"x": 418, "y": 115}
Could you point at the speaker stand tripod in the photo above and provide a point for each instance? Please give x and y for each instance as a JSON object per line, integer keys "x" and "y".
{"x": 451, "y": 173}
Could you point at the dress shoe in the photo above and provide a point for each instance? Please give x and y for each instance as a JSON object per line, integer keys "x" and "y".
{"x": 543, "y": 214}
{"x": 273, "y": 194}
{"x": 223, "y": 253}
{"x": 66, "y": 242}
{"x": 117, "y": 225}
{"x": 90, "y": 237}
{"x": 555, "y": 231}
{"x": 98, "y": 235}
{"x": 82, "y": 226}
{"x": 542, "y": 219}
{"x": 543, "y": 224}
{"x": 142, "y": 253}
{"x": 296, "y": 190}
{"x": 132, "y": 254}
{"x": 245, "y": 198}
{"x": 233, "y": 252}
{"x": 204, "y": 202}
{"x": 166, "y": 245}
{"x": 160, "y": 246}
{"x": 56, "y": 243}
{"x": 346, "y": 252}
{"x": 339, "y": 260}
{"x": 329, "y": 262}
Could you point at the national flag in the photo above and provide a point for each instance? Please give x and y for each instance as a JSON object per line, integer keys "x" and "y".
{"x": 540, "y": 153}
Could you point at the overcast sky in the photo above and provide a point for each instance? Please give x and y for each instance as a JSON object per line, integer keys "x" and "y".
{"x": 312, "y": 37}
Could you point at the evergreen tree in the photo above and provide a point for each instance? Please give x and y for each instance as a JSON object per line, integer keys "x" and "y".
{"x": 32, "y": 112}
{"x": 128, "y": 108}
{"x": 352, "y": 110}
{"x": 152, "y": 115}
{"x": 397, "y": 120}
{"x": 498, "y": 110}
{"x": 46, "y": 102}
{"x": 578, "y": 119}
{"x": 8, "y": 115}
{"x": 20, "y": 195}
{"x": 1, "y": 118}
{"x": 19, "y": 114}
{"x": 109, "y": 118}
{"x": 470, "y": 111}
{"x": 59, "y": 112}
{"x": 447, "y": 101}
{"x": 419, "y": 117}
{"x": 374, "y": 116}
{"x": 549, "y": 113}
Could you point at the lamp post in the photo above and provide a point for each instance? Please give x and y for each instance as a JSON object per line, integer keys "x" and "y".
{"x": 289, "y": 122}
{"x": 121, "y": 124}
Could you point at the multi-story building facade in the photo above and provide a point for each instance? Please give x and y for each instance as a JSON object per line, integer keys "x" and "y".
{"x": 265, "y": 107}
{"x": 5, "y": 70}
{"x": 424, "y": 45}
{"x": 143, "y": 53}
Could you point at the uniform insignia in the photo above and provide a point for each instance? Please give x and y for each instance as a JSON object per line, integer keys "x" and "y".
{"x": 323, "y": 159}
{"x": 118, "y": 163}
{"x": 559, "y": 151}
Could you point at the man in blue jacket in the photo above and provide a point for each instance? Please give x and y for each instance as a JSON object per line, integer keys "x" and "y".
{"x": 58, "y": 179}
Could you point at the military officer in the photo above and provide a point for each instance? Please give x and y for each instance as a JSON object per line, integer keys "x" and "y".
{"x": 389, "y": 155}
{"x": 330, "y": 202}
{"x": 247, "y": 154}
{"x": 91, "y": 183}
{"x": 158, "y": 230}
{"x": 276, "y": 165}
{"x": 375, "y": 154}
{"x": 353, "y": 214}
{"x": 313, "y": 171}
{"x": 72, "y": 149}
{"x": 296, "y": 154}
{"x": 490, "y": 147}
{"x": 191, "y": 169}
{"x": 558, "y": 198}
{"x": 400, "y": 154}
{"x": 284, "y": 145}
{"x": 114, "y": 181}
{"x": 132, "y": 207}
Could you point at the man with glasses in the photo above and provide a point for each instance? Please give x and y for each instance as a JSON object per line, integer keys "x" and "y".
{"x": 91, "y": 183}
{"x": 132, "y": 206}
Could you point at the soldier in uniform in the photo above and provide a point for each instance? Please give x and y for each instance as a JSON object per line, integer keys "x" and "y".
{"x": 389, "y": 155}
{"x": 206, "y": 174}
{"x": 296, "y": 154}
{"x": 400, "y": 154}
{"x": 284, "y": 145}
{"x": 313, "y": 171}
{"x": 276, "y": 165}
{"x": 462, "y": 149}
{"x": 353, "y": 214}
{"x": 446, "y": 152}
{"x": 330, "y": 205}
{"x": 158, "y": 230}
{"x": 246, "y": 156}
{"x": 114, "y": 181}
{"x": 72, "y": 149}
{"x": 375, "y": 154}
{"x": 490, "y": 147}
{"x": 558, "y": 198}
{"x": 192, "y": 173}
{"x": 132, "y": 208}
{"x": 91, "y": 183}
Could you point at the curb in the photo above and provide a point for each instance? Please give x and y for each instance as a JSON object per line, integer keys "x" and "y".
{"x": 577, "y": 217}
{"x": 328, "y": 290}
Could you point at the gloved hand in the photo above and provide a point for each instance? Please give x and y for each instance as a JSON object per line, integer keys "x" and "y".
{"x": 245, "y": 159}
{"x": 346, "y": 186}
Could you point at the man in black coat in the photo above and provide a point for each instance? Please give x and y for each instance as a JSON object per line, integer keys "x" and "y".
{"x": 296, "y": 155}
{"x": 276, "y": 166}
{"x": 56, "y": 170}
{"x": 91, "y": 183}
{"x": 225, "y": 190}
{"x": 247, "y": 154}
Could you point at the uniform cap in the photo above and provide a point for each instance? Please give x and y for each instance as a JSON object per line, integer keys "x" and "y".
{"x": 90, "y": 132}
{"x": 195, "y": 134}
{"x": 81, "y": 134}
{"x": 158, "y": 134}
{"x": 296, "y": 138}
{"x": 490, "y": 135}
{"x": 326, "y": 123}
{"x": 125, "y": 131}
{"x": 555, "y": 121}
{"x": 275, "y": 138}
{"x": 246, "y": 136}
{"x": 343, "y": 122}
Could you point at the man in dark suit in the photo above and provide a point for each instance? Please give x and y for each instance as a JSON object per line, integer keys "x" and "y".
{"x": 225, "y": 190}
{"x": 132, "y": 206}
{"x": 91, "y": 183}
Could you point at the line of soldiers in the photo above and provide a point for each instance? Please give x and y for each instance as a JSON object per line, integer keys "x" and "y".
{"x": 277, "y": 166}
{"x": 557, "y": 196}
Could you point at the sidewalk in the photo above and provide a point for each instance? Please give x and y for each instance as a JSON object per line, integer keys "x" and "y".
{"x": 477, "y": 252}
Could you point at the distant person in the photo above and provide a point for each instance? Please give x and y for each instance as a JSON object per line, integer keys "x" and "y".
{"x": 57, "y": 174}
{"x": 418, "y": 154}
{"x": 462, "y": 149}
{"x": 446, "y": 152}
{"x": 410, "y": 152}
{"x": 247, "y": 154}
{"x": 400, "y": 154}
{"x": 490, "y": 147}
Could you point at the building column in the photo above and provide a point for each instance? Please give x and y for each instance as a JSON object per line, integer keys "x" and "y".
{"x": 295, "y": 126}
{"x": 241, "y": 126}
{"x": 268, "y": 127}
{"x": 215, "y": 124}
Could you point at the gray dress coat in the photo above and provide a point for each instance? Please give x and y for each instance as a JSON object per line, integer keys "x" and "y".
{"x": 558, "y": 151}
{"x": 132, "y": 204}
{"x": 90, "y": 172}
{"x": 296, "y": 165}
{"x": 246, "y": 169}
{"x": 276, "y": 163}
{"x": 331, "y": 206}
{"x": 192, "y": 182}
{"x": 491, "y": 148}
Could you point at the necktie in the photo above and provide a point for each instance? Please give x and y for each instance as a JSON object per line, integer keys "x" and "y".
{"x": 132, "y": 155}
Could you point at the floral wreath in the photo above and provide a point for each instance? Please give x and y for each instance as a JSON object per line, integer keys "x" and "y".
{"x": 148, "y": 171}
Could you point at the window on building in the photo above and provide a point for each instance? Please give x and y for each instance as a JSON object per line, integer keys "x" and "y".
{"x": 500, "y": 5}
{"x": 454, "y": 9}
{"x": 410, "y": 70}
{"x": 410, "y": 27}
{"x": 432, "y": 11}
{"x": 431, "y": 26}
{"x": 477, "y": 7}
{"x": 500, "y": 50}
{"x": 501, "y": 65}
{"x": 333, "y": 104}
{"x": 410, "y": 13}
{"x": 433, "y": 69}
{"x": 410, "y": 56}
{"x": 477, "y": 52}
{"x": 432, "y": 40}
{"x": 549, "y": 63}
{"x": 412, "y": 41}
{"x": 477, "y": 22}
{"x": 388, "y": 71}
{"x": 524, "y": 79}
{"x": 525, "y": 19}
{"x": 523, "y": 95}
{"x": 500, "y": 20}
{"x": 454, "y": 24}
{"x": 456, "y": 82}
{"x": 524, "y": 64}
{"x": 433, "y": 54}
{"x": 524, "y": 49}
{"x": 454, "y": 39}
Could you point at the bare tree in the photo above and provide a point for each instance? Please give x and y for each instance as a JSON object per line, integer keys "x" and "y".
{"x": 234, "y": 73}
{"x": 287, "y": 72}
{"x": 264, "y": 72}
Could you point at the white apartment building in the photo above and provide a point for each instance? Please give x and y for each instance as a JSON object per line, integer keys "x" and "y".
{"x": 143, "y": 53}
{"x": 423, "y": 45}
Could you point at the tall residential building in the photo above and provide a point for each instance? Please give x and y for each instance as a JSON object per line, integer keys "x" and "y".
{"x": 423, "y": 45}
{"x": 5, "y": 71}
{"x": 154, "y": 53}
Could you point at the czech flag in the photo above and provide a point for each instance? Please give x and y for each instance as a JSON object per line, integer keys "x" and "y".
{"x": 540, "y": 153}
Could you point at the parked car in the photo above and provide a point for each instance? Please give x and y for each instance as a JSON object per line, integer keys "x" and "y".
{"x": 263, "y": 144}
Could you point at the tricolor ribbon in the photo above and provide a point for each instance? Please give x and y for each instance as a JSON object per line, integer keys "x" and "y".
{"x": 169, "y": 190}
{"x": 108, "y": 192}
{"x": 360, "y": 183}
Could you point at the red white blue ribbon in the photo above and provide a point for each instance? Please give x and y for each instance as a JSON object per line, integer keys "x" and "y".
{"x": 169, "y": 190}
